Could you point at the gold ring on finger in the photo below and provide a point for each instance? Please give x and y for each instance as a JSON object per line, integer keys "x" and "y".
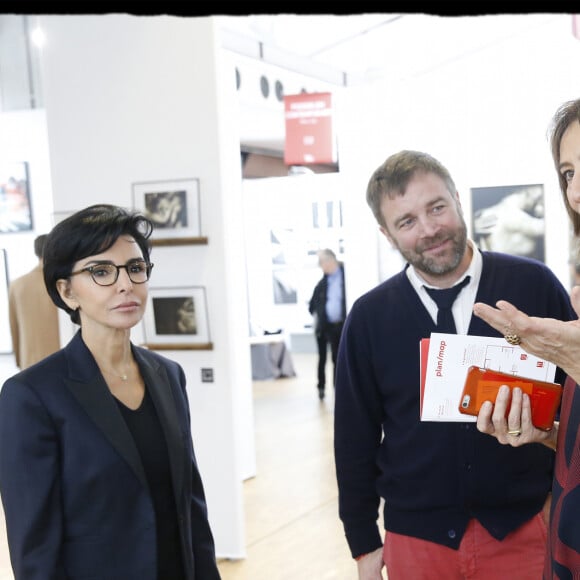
{"x": 513, "y": 339}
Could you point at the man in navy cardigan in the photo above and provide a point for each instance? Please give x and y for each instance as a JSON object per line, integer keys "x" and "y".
{"x": 457, "y": 504}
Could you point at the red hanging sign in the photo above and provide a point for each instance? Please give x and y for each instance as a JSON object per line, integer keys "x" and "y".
{"x": 309, "y": 129}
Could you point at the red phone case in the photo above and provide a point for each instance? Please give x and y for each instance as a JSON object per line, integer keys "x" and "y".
{"x": 482, "y": 385}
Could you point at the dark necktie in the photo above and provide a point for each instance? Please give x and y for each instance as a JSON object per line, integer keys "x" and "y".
{"x": 444, "y": 298}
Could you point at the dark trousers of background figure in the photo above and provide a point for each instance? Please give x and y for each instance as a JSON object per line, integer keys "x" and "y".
{"x": 330, "y": 335}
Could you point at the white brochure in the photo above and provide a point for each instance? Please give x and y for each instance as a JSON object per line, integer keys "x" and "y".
{"x": 445, "y": 359}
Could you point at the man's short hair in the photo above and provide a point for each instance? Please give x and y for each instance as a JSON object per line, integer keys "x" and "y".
{"x": 327, "y": 253}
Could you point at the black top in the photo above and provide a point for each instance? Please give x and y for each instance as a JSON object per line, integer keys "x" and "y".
{"x": 150, "y": 441}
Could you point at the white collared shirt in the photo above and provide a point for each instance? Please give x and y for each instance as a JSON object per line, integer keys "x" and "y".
{"x": 463, "y": 306}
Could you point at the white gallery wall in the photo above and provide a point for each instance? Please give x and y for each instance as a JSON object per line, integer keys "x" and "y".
{"x": 281, "y": 250}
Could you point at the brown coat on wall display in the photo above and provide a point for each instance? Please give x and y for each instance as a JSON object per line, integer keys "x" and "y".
{"x": 33, "y": 319}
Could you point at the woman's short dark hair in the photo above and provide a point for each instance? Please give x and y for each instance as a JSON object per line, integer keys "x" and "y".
{"x": 87, "y": 232}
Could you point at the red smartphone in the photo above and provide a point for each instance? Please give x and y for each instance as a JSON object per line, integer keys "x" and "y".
{"x": 483, "y": 384}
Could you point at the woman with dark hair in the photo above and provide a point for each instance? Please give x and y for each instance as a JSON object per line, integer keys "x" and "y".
{"x": 98, "y": 475}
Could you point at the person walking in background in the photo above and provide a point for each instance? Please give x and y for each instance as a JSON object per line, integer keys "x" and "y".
{"x": 328, "y": 307}
{"x": 98, "y": 475}
{"x": 559, "y": 342}
{"x": 32, "y": 314}
{"x": 456, "y": 504}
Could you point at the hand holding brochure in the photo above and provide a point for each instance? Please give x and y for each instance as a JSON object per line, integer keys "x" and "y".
{"x": 446, "y": 358}
{"x": 483, "y": 384}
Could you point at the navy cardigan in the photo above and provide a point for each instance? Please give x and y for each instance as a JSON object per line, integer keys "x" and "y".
{"x": 433, "y": 476}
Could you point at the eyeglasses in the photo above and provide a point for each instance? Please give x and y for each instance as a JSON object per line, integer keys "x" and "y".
{"x": 106, "y": 274}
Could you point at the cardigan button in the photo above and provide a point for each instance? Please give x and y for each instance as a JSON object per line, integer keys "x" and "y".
{"x": 451, "y": 534}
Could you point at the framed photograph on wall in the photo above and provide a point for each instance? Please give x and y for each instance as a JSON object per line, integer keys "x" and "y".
{"x": 509, "y": 219}
{"x": 177, "y": 319}
{"x": 173, "y": 207}
{"x": 15, "y": 207}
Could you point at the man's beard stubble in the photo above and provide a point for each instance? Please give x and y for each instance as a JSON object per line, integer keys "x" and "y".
{"x": 432, "y": 266}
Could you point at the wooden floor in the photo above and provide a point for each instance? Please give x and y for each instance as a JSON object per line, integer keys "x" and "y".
{"x": 292, "y": 526}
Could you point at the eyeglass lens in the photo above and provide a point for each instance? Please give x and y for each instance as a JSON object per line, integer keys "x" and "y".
{"x": 107, "y": 274}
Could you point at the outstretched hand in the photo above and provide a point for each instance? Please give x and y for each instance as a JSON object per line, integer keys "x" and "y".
{"x": 555, "y": 340}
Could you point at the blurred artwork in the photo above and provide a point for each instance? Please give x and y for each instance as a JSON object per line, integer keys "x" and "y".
{"x": 15, "y": 210}
{"x": 509, "y": 219}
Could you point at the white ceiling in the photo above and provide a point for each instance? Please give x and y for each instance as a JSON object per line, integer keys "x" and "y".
{"x": 373, "y": 46}
{"x": 360, "y": 49}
